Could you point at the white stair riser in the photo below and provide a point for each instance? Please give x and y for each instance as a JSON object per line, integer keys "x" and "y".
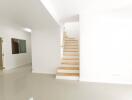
{"x": 76, "y": 61}
{"x": 75, "y": 46}
{"x": 71, "y": 49}
{"x": 67, "y": 38}
{"x": 67, "y": 77}
{"x": 64, "y": 65}
{"x": 71, "y": 53}
{"x": 67, "y": 71}
{"x": 70, "y": 41}
{"x": 70, "y": 61}
{"x": 70, "y": 57}
{"x": 70, "y": 44}
{"x": 68, "y": 48}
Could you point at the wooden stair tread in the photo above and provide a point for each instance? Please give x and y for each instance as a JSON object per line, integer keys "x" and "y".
{"x": 70, "y": 40}
{"x": 70, "y": 51}
{"x": 71, "y": 54}
{"x": 71, "y": 63}
{"x": 70, "y": 68}
{"x": 70, "y": 58}
{"x": 68, "y": 74}
{"x": 69, "y": 37}
{"x": 71, "y": 48}
{"x": 70, "y": 44}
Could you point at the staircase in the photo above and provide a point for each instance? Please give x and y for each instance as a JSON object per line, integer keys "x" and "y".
{"x": 69, "y": 68}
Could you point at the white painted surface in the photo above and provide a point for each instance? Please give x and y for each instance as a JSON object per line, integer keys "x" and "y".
{"x": 106, "y": 46}
{"x": 72, "y": 29}
{"x": 61, "y": 38}
{"x": 49, "y": 6}
{"x": 26, "y": 13}
{"x": 46, "y": 50}
{"x": 68, "y": 10}
{"x": 71, "y": 57}
{"x": 71, "y": 52}
{"x": 70, "y": 61}
{"x": 46, "y": 33}
{"x": 67, "y": 77}
{"x": 29, "y": 12}
{"x": 22, "y": 85}
{"x": 10, "y": 30}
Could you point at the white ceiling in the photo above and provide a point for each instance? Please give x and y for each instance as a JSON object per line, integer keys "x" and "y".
{"x": 33, "y": 14}
{"x": 26, "y": 13}
{"x": 68, "y": 10}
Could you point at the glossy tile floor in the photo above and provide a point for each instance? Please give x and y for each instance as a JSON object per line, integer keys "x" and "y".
{"x": 21, "y": 84}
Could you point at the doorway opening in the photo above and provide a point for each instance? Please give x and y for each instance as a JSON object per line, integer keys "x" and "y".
{"x": 1, "y": 54}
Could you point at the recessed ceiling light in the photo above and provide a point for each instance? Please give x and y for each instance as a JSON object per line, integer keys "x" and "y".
{"x": 28, "y": 30}
{"x": 31, "y": 98}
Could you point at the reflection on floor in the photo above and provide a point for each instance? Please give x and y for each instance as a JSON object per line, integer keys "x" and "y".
{"x": 21, "y": 84}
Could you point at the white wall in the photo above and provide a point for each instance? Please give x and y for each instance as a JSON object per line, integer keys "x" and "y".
{"x": 9, "y": 30}
{"x": 46, "y": 50}
{"x": 106, "y": 46}
{"x": 61, "y": 38}
{"x": 72, "y": 29}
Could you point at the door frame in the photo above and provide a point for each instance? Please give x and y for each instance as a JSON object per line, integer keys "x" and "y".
{"x": 2, "y": 54}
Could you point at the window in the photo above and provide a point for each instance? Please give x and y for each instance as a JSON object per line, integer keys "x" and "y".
{"x": 18, "y": 46}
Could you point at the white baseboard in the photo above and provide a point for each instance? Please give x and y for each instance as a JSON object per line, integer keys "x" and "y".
{"x": 6, "y": 68}
{"x": 101, "y": 82}
{"x": 42, "y": 72}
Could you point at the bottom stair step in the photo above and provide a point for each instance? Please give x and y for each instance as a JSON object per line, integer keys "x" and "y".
{"x": 67, "y": 77}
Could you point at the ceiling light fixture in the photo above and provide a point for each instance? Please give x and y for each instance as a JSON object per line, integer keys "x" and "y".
{"x": 31, "y": 98}
{"x": 28, "y": 30}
